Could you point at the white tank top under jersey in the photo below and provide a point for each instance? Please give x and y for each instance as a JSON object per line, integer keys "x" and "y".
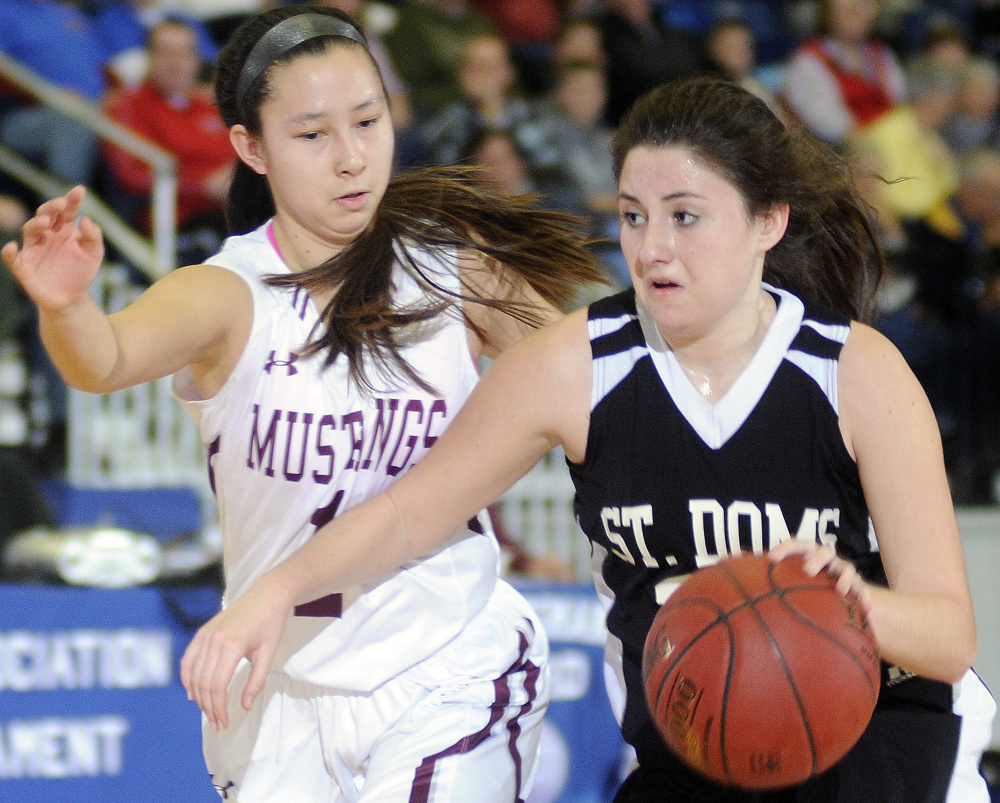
{"x": 288, "y": 442}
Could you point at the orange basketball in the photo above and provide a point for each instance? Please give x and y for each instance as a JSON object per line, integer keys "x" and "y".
{"x": 759, "y": 676}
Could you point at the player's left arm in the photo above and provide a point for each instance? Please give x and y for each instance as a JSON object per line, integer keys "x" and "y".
{"x": 924, "y": 622}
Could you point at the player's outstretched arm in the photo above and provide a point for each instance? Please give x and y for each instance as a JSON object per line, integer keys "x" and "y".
{"x": 176, "y": 322}
{"x": 534, "y": 397}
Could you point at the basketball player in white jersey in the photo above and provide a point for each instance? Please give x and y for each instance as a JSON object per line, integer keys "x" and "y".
{"x": 730, "y": 401}
{"x": 322, "y": 352}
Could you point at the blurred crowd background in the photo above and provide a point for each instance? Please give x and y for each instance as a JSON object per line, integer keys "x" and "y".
{"x": 531, "y": 91}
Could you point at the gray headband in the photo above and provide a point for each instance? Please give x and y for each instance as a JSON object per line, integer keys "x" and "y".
{"x": 283, "y": 37}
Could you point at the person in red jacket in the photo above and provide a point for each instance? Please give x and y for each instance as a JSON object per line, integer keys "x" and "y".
{"x": 845, "y": 76}
{"x": 172, "y": 109}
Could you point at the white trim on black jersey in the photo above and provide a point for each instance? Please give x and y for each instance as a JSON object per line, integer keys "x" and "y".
{"x": 716, "y": 423}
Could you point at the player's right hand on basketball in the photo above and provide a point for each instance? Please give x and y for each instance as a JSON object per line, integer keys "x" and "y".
{"x": 58, "y": 257}
{"x": 250, "y": 628}
{"x": 823, "y": 557}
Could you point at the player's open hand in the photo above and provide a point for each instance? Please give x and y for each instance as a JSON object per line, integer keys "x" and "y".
{"x": 250, "y": 628}
{"x": 823, "y": 557}
{"x": 59, "y": 256}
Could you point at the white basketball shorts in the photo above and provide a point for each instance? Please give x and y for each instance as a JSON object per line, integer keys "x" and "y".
{"x": 462, "y": 725}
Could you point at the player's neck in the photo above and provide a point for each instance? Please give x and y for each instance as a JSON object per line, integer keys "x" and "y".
{"x": 714, "y": 362}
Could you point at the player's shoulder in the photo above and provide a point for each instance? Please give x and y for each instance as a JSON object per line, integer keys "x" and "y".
{"x": 555, "y": 353}
{"x": 873, "y": 375}
{"x": 205, "y": 284}
{"x": 867, "y": 350}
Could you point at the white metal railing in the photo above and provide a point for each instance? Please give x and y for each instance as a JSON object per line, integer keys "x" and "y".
{"x": 155, "y": 258}
{"x": 537, "y": 512}
{"x": 139, "y": 437}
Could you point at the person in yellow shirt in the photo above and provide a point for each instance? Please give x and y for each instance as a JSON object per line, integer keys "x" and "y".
{"x": 907, "y": 149}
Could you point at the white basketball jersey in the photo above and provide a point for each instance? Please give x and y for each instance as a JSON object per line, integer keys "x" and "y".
{"x": 290, "y": 445}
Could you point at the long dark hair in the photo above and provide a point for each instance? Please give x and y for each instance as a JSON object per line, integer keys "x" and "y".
{"x": 830, "y": 251}
{"x": 441, "y": 209}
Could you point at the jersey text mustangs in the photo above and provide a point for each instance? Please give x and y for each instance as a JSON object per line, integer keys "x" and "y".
{"x": 297, "y": 444}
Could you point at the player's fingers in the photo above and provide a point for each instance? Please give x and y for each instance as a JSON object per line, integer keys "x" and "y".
{"x": 71, "y": 206}
{"x": 863, "y": 592}
{"x": 52, "y": 209}
{"x": 860, "y": 590}
{"x": 201, "y": 680}
{"x": 819, "y": 559}
{"x": 791, "y": 546}
{"x": 260, "y": 665}
{"x": 90, "y": 233}
{"x": 214, "y": 676}
{"x": 196, "y": 669}
{"x": 846, "y": 575}
{"x": 35, "y": 227}
{"x": 9, "y": 253}
{"x": 188, "y": 663}
{"x": 218, "y": 689}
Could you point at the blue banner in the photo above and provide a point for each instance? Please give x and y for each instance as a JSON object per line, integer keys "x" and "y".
{"x": 91, "y": 706}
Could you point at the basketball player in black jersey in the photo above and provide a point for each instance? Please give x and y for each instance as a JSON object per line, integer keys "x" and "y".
{"x": 732, "y": 400}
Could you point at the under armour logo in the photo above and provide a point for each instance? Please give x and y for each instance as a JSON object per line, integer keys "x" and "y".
{"x": 273, "y": 362}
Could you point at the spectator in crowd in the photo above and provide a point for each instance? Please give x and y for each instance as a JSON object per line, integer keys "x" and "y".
{"x": 502, "y": 164}
{"x": 923, "y": 339}
{"x": 573, "y": 116}
{"x": 731, "y": 51}
{"x": 945, "y": 42}
{"x": 498, "y": 162}
{"x": 174, "y": 110}
{"x": 579, "y": 39}
{"x": 843, "y": 77}
{"x": 976, "y": 121}
{"x": 911, "y": 153}
{"x": 490, "y": 99}
{"x": 427, "y": 44}
{"x": 57, "y": 41}
{"x": 530, "y": 28}
{"x": 124, "y": 26}
{"x": 980, "y": 201}
{"x": 956, "y": 259}
{"x": 919, "y": 309}
{"x": 642, "y": 52}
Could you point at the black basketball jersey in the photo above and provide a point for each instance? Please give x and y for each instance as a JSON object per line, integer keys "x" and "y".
{"x": 671, "y": 482}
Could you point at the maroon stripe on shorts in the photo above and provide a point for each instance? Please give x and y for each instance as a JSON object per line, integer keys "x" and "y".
{"x": 514, "y": 726}
{"x": 421, "y": 789}
{"x": 330, "y": 605}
